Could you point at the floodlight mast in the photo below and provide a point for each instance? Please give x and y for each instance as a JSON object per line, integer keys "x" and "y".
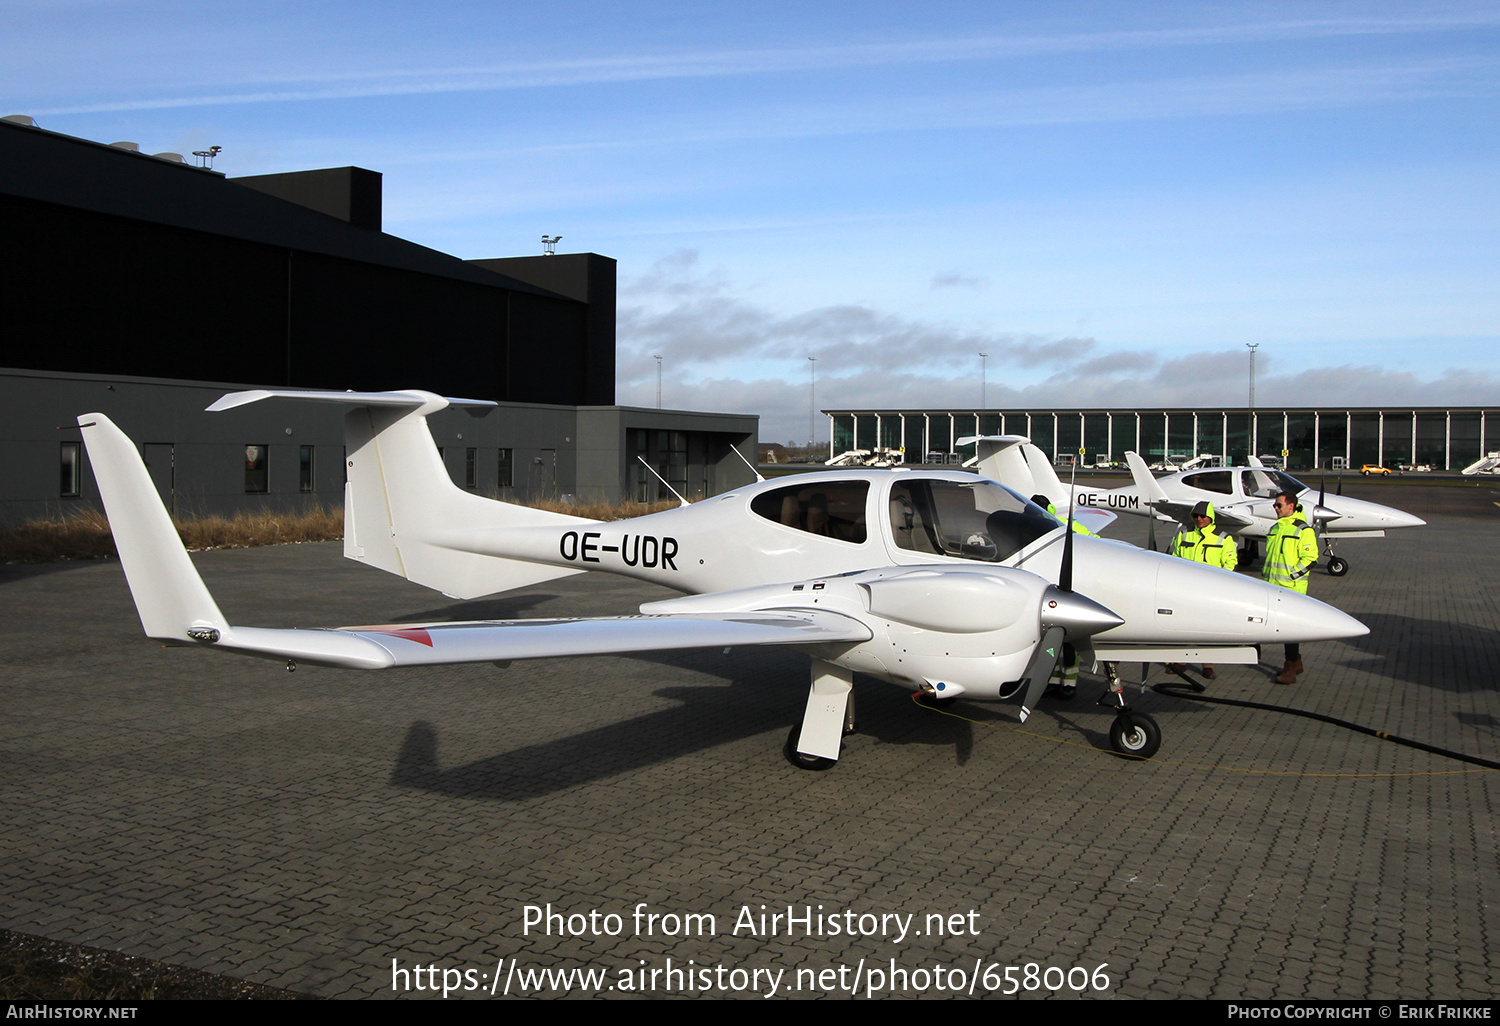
{"x": 812, "y": 390}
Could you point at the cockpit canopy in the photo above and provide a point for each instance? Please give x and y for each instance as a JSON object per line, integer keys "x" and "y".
{"x": 1252, "y": 481}
{"x": 977, "y": 520}
{"x": 973, "y": 519}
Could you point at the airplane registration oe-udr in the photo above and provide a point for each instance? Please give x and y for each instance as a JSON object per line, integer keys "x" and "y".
{"x": 943, "y": 582}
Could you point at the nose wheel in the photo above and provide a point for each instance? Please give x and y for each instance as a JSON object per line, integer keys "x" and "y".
{"x": 1338, "y": 566}
{"x": 1133, "y": 734}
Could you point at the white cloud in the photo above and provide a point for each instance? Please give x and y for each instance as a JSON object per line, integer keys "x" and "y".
{"x": 721, "y": 352}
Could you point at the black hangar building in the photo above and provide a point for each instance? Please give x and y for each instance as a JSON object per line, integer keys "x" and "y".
{"x": 142, "y": 287}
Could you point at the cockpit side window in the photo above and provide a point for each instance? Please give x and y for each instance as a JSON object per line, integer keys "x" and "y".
{"x": 981, "y": 521}
{"x": 831, "y": 509}
{"x": 1221, "y": 481}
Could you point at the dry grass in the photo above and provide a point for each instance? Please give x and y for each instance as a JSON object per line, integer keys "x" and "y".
{"x": 85, "y": 534}
{"x": 604, "y": 510}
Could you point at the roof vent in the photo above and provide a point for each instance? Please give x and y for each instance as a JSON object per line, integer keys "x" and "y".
{"x": 175, "y": 158}
{"x": 132, "y": 147}
{"x": 20, "y": 119}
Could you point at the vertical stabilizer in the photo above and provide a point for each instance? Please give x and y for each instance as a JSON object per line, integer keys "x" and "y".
{"x": 402, "y": 512}
{"x": 1045, "y": 478}
{"x": 1001, "y": 458}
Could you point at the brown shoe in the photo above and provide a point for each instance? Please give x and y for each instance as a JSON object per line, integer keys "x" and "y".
{"x": 1295, "y": 666}
{"x": 1208, "y": 672}
{"x": 1288, "y": 675}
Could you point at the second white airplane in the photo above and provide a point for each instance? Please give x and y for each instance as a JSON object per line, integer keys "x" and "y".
{"x": 1242, "y": 496}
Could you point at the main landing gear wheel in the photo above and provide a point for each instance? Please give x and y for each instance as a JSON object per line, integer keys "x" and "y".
{"x": 1141, "y": 740}
{"x": 800, "y": 760}
{"x": 1338, "y": 566}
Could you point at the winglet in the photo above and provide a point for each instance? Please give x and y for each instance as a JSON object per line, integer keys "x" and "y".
{"x": 169, "y": 595}
{"x": 1150, "y": 488}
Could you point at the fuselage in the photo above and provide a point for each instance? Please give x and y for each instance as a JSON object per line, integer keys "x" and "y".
{"x": 1250, "y": 492}
{"x": 820, "y": 525}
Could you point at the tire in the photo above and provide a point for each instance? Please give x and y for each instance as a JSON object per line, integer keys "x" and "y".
{"x": 815, "y": 763}
{"x": 1338, "y": 566}
{"x": 1141, "y": 742}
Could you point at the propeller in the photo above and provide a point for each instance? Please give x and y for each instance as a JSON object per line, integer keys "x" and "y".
{"x": 1065, "y": 574}
{"x": 1064, "y": 615}
{"x": 1151, "y": 532}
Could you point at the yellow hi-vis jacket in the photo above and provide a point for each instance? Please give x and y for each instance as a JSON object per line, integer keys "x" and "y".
{"x": 1207, "y": 546}
{"x": 1291, "y": 551}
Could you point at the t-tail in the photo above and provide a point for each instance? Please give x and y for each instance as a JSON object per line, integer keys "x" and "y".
{"x": 402, "y": 512}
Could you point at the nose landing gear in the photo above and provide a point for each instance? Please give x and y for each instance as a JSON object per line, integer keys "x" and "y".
{"x": 1133, "y": 734}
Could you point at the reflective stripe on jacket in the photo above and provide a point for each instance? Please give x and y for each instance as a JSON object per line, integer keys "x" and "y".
{"x": 1291, "y": 551}
{"x": 1207, "y": 546}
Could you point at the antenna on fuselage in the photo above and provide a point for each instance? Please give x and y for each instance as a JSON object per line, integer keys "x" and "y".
{"x": 663, "y": 480}
{"x": 736, "y": 451}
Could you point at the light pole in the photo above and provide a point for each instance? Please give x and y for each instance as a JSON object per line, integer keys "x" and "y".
{"x": 1254, "y": 427}
{"x": 983, "y": 358}
{"x": 812, "y": 391}
{"x": 657, "y": 358}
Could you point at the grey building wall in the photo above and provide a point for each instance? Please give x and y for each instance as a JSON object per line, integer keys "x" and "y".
{"x": 198, "y": 458}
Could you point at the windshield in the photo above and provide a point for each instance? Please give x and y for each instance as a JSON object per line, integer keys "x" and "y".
{"x": 1280, "y": 481}
{"x": 982, "y": 521}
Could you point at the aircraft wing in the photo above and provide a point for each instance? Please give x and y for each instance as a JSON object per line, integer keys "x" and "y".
{"x": 432, "y": 644}
{"x": 1181, "y": 510}
{"x": 1231, "y": 518}
{"x": 1095, "y": 520}
{"x": 175, "y": 606}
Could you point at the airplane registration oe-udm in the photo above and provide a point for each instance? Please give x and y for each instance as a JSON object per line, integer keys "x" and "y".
{"x": 943, "y": 581}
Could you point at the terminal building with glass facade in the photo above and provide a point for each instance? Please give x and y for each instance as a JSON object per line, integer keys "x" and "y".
{"x": 1444, "y": 438}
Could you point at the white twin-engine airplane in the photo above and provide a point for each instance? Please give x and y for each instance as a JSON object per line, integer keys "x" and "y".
{"x": 940, "y": 581}
{"x": 1242, "y": 496}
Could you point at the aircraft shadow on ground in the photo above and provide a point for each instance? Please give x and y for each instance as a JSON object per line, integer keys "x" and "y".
{"x": 760, "y": 696}
{"x": 1434, "y": 654}
{"x": 499, "y": 607}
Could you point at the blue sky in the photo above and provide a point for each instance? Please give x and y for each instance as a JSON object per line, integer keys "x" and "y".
{"x": 1110, "y": 199}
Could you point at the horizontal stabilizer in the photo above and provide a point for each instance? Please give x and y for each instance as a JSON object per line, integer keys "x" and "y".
{"x": 1000, "y": 458}
{"x": 411, "y": 399}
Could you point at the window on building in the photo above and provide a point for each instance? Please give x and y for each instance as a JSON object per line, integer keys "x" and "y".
{"x": 257, "y": 478}
{"x": 72, "y": 470}
{"x": 305, "y": 469}
{"x": 507, "y": 465}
